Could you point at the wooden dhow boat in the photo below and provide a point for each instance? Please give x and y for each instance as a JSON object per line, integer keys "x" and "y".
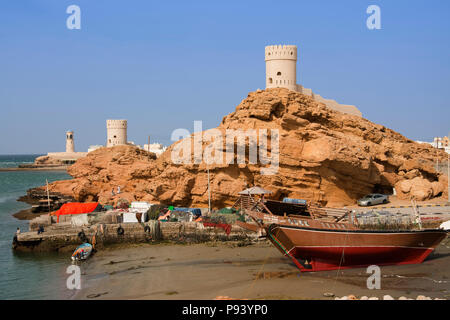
{"x": 318, "y": 246}
{"x": 319, "y": 239}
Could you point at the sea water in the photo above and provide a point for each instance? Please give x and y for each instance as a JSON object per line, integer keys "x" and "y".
{"x": 26, "y": 275}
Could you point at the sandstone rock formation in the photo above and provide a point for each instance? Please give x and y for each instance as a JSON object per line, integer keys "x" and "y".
{"x": 324, "y": 156}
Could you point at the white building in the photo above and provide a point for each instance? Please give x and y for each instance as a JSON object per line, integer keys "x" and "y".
{"x": 439, "y": 143}
{"x": 94, "y": 147}
{"x": 156, "y": 148}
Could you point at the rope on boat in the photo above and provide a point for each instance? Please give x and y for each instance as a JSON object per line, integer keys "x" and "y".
{"x": 257, "y": 275}
{"x": 284, "y": 249}
{"x": 340, "y": 262}
{"x": 265, "y": 262}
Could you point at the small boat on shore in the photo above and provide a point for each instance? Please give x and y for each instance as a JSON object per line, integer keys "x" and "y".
{"x": 82, "y": 252}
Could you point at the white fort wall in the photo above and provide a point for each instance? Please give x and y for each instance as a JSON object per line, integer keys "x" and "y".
{"x": 116, "y": 132}
{"x": 281, "y": 72}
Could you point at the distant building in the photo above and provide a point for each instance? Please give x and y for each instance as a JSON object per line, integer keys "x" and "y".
{"x": 116, "y": 132}
{"x": 63, "y": 158}
{"x": 94, "y": 147}
{"x": 439, "y": 143}
{"x": 70, "y": 145}
{"x": 281, "y": 72}
{"x": 156, "y": 148}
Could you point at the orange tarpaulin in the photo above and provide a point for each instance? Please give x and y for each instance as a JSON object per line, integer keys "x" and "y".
{"x": 76, "y": 208}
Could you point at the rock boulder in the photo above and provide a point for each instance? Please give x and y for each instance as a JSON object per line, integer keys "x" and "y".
{"x": 324, "y": 156}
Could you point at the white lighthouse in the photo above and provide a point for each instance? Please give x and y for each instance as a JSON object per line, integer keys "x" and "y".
{"x": 70, "y": 145}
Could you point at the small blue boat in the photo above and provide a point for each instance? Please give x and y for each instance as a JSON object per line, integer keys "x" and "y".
{"x": 82, "y": 252}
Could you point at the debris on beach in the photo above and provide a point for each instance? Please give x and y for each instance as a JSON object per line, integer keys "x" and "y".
{"x": 135, "y": 222}
{"x": 226, "y": 298}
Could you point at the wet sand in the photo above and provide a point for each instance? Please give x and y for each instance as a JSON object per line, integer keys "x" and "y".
{"x": 27, "y": 214}
{"x": 258, "y": 271}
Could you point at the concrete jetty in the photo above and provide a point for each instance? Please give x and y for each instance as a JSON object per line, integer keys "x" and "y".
{"x": 65, "y": 237}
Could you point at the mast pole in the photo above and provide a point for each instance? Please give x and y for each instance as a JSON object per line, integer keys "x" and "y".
{"x": 209, "y": 192}
{"x": 48, "y": 196}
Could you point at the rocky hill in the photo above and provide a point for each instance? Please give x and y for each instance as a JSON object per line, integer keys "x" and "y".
{"x": 324, "y": 156}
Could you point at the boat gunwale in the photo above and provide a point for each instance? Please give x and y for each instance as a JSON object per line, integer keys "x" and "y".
{"x": 273, "y": 226}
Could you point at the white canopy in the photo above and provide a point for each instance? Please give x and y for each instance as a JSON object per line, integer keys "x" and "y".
{"x": 255, "y": 190}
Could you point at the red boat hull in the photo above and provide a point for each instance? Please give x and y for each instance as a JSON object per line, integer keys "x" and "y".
{"x": 358, "y": 257}
{"x": 320, "y": 250}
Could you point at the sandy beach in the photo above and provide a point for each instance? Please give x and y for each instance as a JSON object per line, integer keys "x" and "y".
{"x": 258, "y": 271}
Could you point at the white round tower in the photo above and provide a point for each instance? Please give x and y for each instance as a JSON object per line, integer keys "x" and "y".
{"x": 281, "y": 67}
{"x": 70, "y": 145}
{"x": 116, "y": 132}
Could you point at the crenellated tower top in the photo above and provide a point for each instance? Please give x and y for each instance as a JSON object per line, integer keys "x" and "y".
{"x": 281, "y": 52}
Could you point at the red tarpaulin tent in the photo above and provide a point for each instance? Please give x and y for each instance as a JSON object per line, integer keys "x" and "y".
{"x": 76, "y": 208}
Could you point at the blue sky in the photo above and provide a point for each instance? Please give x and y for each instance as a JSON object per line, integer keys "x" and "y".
{"x": 164, "y": 64}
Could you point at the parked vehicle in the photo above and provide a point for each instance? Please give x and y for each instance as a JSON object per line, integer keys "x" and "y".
{"x": 373, "y": 199}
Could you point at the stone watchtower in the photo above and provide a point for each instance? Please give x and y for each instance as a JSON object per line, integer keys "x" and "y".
{"x": 70, "y": 145}
{"x": 281, "y": 67}
{"x": 116, "y": 132}
{"x": 281, "y": 72}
